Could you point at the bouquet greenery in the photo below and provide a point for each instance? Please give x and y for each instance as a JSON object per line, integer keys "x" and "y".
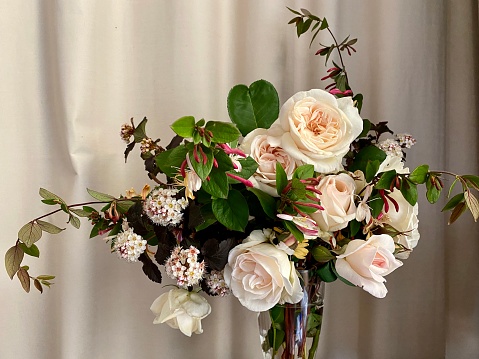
{"x": 242, "y": 207}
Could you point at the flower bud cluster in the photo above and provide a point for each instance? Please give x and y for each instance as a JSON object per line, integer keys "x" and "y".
{"x": 163, "y": 208}
{"x": 129, "y": 245}
{"x": 391, "y": 147}
{"x": 126, "y": 132}
{"x": 215, "y": 282}
{"x": 147, "y": 145}
{"x": 183, "y": 265}
{"x": 405, "y": 140}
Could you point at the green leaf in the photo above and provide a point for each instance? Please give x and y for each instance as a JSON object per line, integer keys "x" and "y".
{"x": 277, "y": 314}
{"x": 102, "y": 197}
{"x": 298, "y": 190}
{"x": 13, "y": 259}
{"x": 248, "y": 167}
{"x": 369, "y": 153}
{"x": 409, "y": 191}
{"x": 140, "y": 132}
{"x": 217, "y": 186}
{"x": 74, "y": 221}
{"x": 253, "y": 107}
{"x": 123, "y": 206}
{"x": 366, "y": 127}
{"x": 46, "y": 277}
{"x": 24, "y": 278}
{"x": 184, "y": 126}
{"x": 322, "y": 254}
{"x": 30, "y": 233}
{"x": 31, "y": 251}
{"x": 454, "y": 201}
{"x": 281, "y": 178}
{"x": 372, "y": 168}
{"x": 275, "y": 338}
{"x": 419, "y": 175}
{"x": 170, "y": 161}
{"x": 80, "y": 212}
{"x": 304, "y": 172}
{"x": 326, "y": 273}
{"x": 291, "y": 227}
{"x": 201, "y": 168}
{"x": 268, "y": 203}
{"x": 223, "y": 132}
{"x": 354, "y": 227}
{"x": 471, "y": 180}
{"x": 47, "y": 195}
{"x": 386, "y": 179}
{"x": 324, "y": 24}
{"x": 50, "y": 228}
{"x": 231, "y": 212}
{"x": 432, "y": 193}
{"x": 376, "y": 204}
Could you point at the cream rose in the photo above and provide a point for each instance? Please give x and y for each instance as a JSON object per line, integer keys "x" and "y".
{"x": 266, "y": 150}
{"x": 365, "y": 263}
{"x": 337, "y": 199}
{"x": 393, "y": 163}
{"x": 318, "y": 128}
{"x": 181, "y": 309}
{"x": 261, "y": 275}
{"x": 405, "y": 220}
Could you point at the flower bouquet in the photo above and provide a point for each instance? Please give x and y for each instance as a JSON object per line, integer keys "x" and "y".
{"x": 267, "y": 207}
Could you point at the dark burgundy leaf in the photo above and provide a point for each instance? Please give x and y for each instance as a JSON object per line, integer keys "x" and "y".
{"x": 128, "y": 149}
{"x": 175, "y": 142}
{"x": 216, "y": 253}
{"x": 150, "y": 269}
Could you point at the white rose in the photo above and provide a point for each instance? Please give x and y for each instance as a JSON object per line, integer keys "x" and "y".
{"x": 318, "y": 128}
{"x": 337, "y": 199}
{"x": 181, "y": 309}
{"x": 405, "y": 220}
{"x": 365, "y": 263}
{"x": 261, "y": 275}
{"x": 266, "y": 150}
{"x": 393, "y": 163}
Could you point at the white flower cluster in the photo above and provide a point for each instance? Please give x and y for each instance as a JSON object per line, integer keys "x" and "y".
{"x": 126, "y": 132}
{"x": 146, "y": 145}
{"x": 391, "y": 147}
{"x": 163, "y": 208}
{"x": 216, "y": 283}
{"x": 183, "y": 266}
{"x": 405, "y": 140}
{"x": 129, "y": 245}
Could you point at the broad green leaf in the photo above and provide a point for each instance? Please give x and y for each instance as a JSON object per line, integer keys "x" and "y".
{"x": 223, "y": 132}
{"x": 322, "y": 254}
{"x": 432, "y": 193}
{"x": 50, "y": 228}
{"x": 376, "y": 204}
{"x": 386, "y": 179}
{"x": 326, "y": 272}
{"x": 275, "y": 338}
{"x": 281, "y": 178}
{"x": 304, "y": 172}
{"x": 140, "y": 132}
{"x": 13, "y": 259}
{"x": 354, "y": 227}
{"x": 231, "y": 212}
{"x": 102, "y": 197}
{"x": 369, "y": 153}
{"x": 277, "y": 314}
{"x": 224, "y": 161}
{"x": 24, "y": 278}
{"x": 74, "y": 221}
{"x": 170, "y": 161}
{"x": 471, "y": 180}
{"x": 472, "y": 204}
{"x": 291, "y": 227}
{"x": 123, "y": 205}
{"x": 366, "y": 127}
{"x": 80, "y": 212}
{"x": 372, "y": 168}
{"x": 248, "y": 167}
{"x": 324, "y": 24}
{"x": 409, "y": 191}
{"x": 30, "y": 233}
{"x": 267, "y": 202}
{"x": 184, "y": 126}
{"x": 202, "y": 167}
{"x": 419, "y": 175}
{"x": 253, "y": 107}
{"x": 454, "y": 201}
{"x": 298, "y": 190}
{"x": 217, "y": 186}
{"x": 31, "y": 251}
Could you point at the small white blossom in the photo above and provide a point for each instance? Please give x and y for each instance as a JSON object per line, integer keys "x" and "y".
{"x": 183, "y": 266}
{"x": 147, "y": 145}
{"x": 163, "y": 208}
{"x": 405, "y": 140}
{"x": 391, "y": 147}
{"x": 126, "y": 132}
{"x": 216, "y": 283}
{"x": 129, "y": 245}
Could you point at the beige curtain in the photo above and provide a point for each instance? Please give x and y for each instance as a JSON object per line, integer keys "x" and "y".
{"x": 71, "y": 72}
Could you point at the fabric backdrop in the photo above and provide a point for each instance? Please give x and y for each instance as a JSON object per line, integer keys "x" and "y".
{"x": 71, "y": 72}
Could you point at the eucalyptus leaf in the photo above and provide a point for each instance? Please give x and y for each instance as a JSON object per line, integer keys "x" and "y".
{"x": 13, "y": 259}
{"x": 30, "y": 233}
{"x": 48, "y": 227}
{"x": 24, "y": 278}
{"x": 74, "y": 221}
{"x": 102, "y": 197}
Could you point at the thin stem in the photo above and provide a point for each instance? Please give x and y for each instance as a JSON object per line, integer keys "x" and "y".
{"x": 340, "y": 56}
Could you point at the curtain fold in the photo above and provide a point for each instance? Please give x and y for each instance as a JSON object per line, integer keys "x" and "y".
{"x": 73, "y": 71}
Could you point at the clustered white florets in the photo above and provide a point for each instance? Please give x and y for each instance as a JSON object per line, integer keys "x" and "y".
{"x": 146, "y": 145}
{"x": 216, "y": 283}
{"x": 391, "y": 147}
{"x": 405, "y": 140}
{"x": 126, "y": 132}
{"x": 163, "y": 208}
{"x": 183, "y": 266}
{"x": 129, "y": 245}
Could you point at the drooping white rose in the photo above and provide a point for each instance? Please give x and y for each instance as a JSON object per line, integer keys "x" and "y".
{"x": 261, "y": 275}
{"x": 265, "y": 148}
{"x": 393, "y": 163}
{"x": 337, "y": 198}
{"x": 405, "y": 220}
{"x": 318, "y": 128}
{"x": 182, "y": 310}
{"x": 365, "y": 263}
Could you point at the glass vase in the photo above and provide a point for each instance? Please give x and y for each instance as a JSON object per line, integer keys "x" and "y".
{"x": 291, "y": 331}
